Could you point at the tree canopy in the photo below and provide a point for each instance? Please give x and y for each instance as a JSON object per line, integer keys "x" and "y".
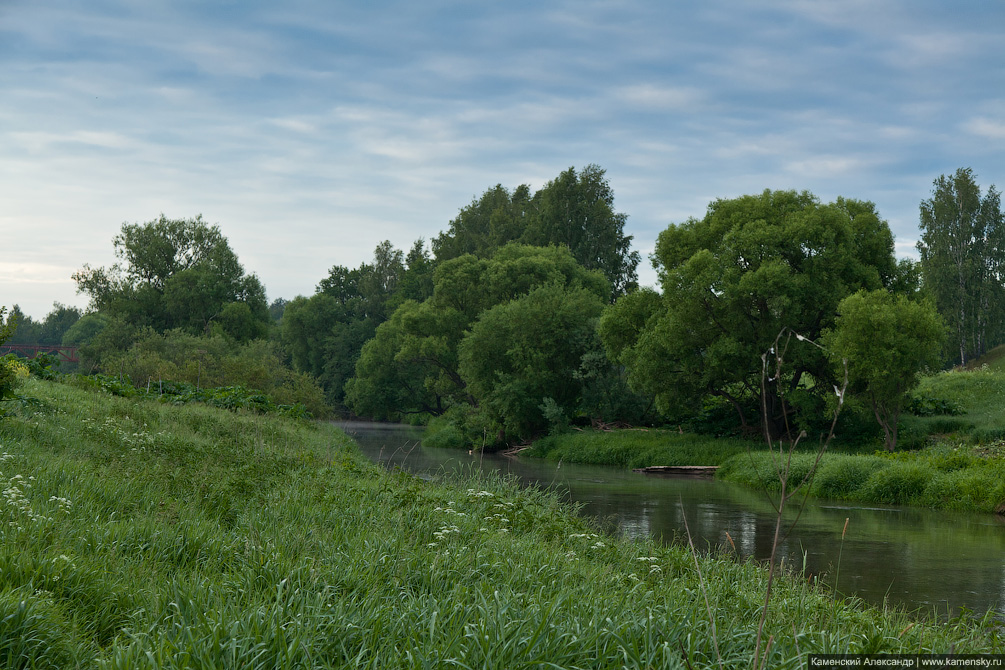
{"x": 325, "y": 333}
{"x": 731, "y": 281}
{"x": 412, "y": 364}
{"x": 575, "y": 210}
{"x": 177, "y": 273}
{"x": 886, "y": 340}
{"x": 962, "y": 250}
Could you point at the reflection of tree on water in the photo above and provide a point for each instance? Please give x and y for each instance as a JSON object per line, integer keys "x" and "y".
{"x": 910, "y": 557}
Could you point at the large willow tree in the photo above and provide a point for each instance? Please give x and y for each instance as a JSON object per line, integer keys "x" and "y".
{"x": 731, "y": 281}
{"x": 963, "y": 261}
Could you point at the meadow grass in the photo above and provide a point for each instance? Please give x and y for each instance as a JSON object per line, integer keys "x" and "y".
{"x": 140, "y": 535}
{"x": 980, "y": 396}
{"x": 636, "y": 448}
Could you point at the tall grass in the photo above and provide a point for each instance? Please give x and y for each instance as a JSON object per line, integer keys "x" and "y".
{"x": 636, "y": 448}
{"x": 139, "y": 535}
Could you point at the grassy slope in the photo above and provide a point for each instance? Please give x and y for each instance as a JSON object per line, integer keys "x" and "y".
{"x": 139, "y": 535}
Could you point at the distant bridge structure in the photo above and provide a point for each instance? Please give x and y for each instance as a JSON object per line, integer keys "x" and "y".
{"x": 65, "y": 354}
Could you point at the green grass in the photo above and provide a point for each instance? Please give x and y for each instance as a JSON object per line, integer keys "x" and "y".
{"x": 942, "y": 477}
{"x": 140, "y": 535}
{"x": 994, "y": 360}
{"x": 636, "y": 448}
{"x": 979, "y": 394}
{"x": 952, "y": 462}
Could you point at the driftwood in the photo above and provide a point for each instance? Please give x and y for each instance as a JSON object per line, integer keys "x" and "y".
{"x": 679, "y": 470}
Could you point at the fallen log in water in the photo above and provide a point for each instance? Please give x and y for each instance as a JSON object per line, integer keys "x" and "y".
{"x": 679, "y": 470}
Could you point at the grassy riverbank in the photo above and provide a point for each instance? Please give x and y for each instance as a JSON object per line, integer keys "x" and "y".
{"x": 141, "y": 535}
{"x": 960, "y": 465}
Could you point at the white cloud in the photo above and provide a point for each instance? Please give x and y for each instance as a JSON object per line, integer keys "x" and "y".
{"x": 993, "y": 129}
{"x": 657, "y": 97}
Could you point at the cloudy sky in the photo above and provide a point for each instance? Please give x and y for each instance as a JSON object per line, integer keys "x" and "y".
{"x": 311, "y": 130}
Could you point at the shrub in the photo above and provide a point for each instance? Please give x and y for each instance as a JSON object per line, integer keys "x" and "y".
{"x": 12, "y": 374}
{"x": 757, "y": 470}
{"x": 840, "y": 476}
{"x": 975, "y": 488}
{"x": 897, "y": 484}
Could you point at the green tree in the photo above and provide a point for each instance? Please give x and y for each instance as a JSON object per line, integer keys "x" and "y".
{"x": 400, "y": 370}
{"x": 498, "y": 217}
{"x": 175, "y": 274}
{"x": 886, "y": 340}
{"x": 325, "y": 333}
{"x": 577, "y": 211}
{"x": 521, "y": 354}
{"x": 57, "y": 322}
{"x": 420, "y": 342}
{"x": 12, "y": 372}
{"x": 962, "y": 250}
{"x": 574, "y": 210}
{"x": 26, "y": 330}
{"x": 731, "y": 281}
{"x": 84, "y": 330}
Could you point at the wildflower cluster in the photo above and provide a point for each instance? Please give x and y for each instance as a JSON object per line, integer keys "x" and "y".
{"x": 597, "y": 542}
{"x": 15, "y": 495}
{"x": 651, "y": 562}
{"x": 499, "y": 518}
{"x": 139, "y": 440}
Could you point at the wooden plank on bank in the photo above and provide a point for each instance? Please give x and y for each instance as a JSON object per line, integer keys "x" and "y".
{"x": 680, "y": 470}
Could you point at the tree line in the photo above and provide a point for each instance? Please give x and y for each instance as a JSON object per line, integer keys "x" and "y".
{"x": 524, "y": 315}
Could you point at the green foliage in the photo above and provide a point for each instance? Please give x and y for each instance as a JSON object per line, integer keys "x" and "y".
{"x": 214, "y": 362}
{"x": 12, "y": 372}
{"x": 925, "y": 405}
{"x": 900, "y": 483}
{"x": 156, "y": 536}
{"x": 463, "y": 427}
{"x": 325, "y": 333}
{"x": 759, "y": 470}
{"x": 523, "y": 352}
{"x": 841, "y": 476}
{"x": 574, "y": 210}
{"x": 49, "y": 331}
{"x": 962, "y": 250}
{"x": 636, "y": 448}
{"x": 43, "y": 365}
{"x": 731, "y": 281}
{"x": 412, "y": 363}
{"x": 180, "y": 393}
{"x": 8, "y": 325}
{"x": 85, "y": 330}
{"x": 885, "y": 340}
{"x": 177, "y": 274}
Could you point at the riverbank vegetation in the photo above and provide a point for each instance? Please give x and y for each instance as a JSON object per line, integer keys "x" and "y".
{"x": 955, "y": 459}
{"x": 524, "y": 318}
{"x": 138, "y": 534}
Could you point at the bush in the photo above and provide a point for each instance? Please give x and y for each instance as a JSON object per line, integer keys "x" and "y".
{"x": 12, "y": 374}
{"x": 927, "y": 405}
{"x": 212, "y": 363}
{"x": 462, "y": 427}
{"x": 897, "y": 484}
{"x": 976, "y": 488}
{"x": 757, "y": 470}
{"x": 840, "y": 476}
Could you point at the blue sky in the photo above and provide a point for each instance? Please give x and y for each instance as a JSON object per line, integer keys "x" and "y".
{"x": 309, "y": 131}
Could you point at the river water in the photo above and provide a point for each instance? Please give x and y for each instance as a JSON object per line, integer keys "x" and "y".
{"x": 938, "y": 562}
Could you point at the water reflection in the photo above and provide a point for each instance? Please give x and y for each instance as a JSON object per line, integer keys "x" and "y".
{"x": 914, "y": 558}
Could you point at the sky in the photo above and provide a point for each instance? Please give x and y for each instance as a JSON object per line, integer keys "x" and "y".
{"x": 311, "y": 130}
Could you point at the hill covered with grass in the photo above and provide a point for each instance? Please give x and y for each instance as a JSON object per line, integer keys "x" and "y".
{"x": 135, "y": 534}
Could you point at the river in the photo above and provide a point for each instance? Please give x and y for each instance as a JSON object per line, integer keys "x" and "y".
{"x": 938, "y": 562}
